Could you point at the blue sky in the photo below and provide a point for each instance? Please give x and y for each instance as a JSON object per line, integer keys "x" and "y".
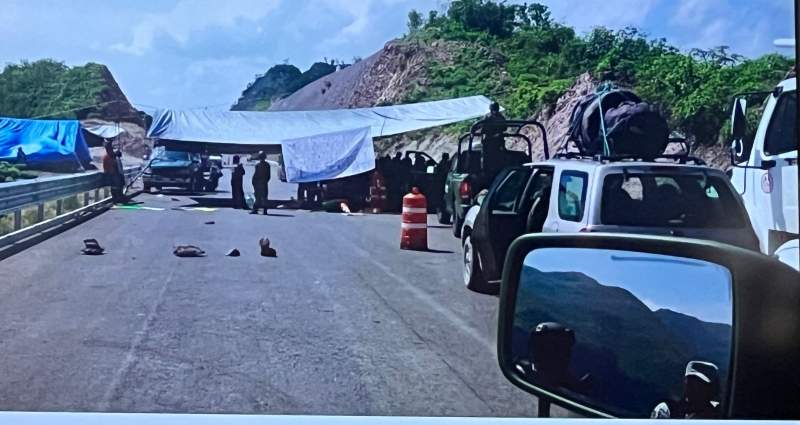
{"x": 687, "y": 286}
{"x": 202, "y": 53}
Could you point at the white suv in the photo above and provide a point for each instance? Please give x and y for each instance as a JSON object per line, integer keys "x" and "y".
{"x": 663, "y": 198}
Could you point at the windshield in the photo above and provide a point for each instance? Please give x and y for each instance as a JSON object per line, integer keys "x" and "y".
{"x": 262, "y": 206}
{"x": 166, "y": 155}
{"x": 782, "y": 131}
{"x": 663, "y": 200}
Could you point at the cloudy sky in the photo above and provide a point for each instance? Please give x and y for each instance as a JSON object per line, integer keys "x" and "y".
{"x": 202, "y": 53}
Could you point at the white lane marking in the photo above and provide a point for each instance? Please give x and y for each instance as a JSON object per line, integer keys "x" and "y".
{"x": 130, "y": 355}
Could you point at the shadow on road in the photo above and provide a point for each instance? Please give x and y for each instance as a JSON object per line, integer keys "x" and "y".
{"x": 438, "y": 251}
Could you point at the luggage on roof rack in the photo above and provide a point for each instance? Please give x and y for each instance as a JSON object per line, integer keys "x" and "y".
{"x": 615, "y": 121}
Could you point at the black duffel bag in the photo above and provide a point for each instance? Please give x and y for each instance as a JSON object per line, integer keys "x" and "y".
{"x": 632, "y": 127}
{"x": 636, "y": 129}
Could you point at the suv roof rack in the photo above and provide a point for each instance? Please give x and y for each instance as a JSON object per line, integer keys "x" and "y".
{"x": 677, "y": 158}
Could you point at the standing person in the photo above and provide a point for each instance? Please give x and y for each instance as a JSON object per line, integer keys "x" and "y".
{"x": 261, "y": 178}
{"x": 237, "y": 184}
{"x": 110, "y": 171}
{"x": 405, "y": 174}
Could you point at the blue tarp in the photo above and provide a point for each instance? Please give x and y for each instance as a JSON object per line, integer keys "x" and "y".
{"x": 45, "y": 143}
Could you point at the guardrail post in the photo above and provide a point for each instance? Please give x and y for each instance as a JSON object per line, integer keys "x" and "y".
{"x": 85, "y": 198}
{"x": 59, "y": 207}
{"x": 17, "y": 219}
{"x": 40, "y": 212}
{"x": 97, "y": 194}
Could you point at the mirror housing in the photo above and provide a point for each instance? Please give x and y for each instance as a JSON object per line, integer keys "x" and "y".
{"x": 740, "y": 148}
{"x": 764, "y": 380}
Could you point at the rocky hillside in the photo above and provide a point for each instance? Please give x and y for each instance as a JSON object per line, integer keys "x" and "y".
{"x": 389, "y": 76}
{"x": 277, "y": 83}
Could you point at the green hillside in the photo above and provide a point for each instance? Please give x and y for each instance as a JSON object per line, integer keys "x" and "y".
{"x": 50, "y": 89}
{"x": 521, "y": 56}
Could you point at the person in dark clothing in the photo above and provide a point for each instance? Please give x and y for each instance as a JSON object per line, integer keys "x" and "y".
{"x": 700, "y": 395}
{"x": 261, "y": 178}
{"x": 494, "y": 149}
{"x": 111, "y": 171}
{"x": 419, "y": 163}
{"x": 237, "y": 184}
{"x": 405, "y": 174}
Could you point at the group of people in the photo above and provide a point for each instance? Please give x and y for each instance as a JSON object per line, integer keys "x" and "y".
{"x": 260, "y": 180}
{"x": 401, "y": 173}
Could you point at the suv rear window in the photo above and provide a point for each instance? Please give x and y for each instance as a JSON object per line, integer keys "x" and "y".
{"x": 654, "y": 200}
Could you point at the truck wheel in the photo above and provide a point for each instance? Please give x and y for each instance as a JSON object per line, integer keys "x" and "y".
{"x": 442, "y": 215}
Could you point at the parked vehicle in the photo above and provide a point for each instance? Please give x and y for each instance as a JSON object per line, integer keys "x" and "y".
{"x": 765, "y": 168}
{"x": 591, "y": 195}
{"x": 170, "y": 168}
{"x": 469, "y": 173}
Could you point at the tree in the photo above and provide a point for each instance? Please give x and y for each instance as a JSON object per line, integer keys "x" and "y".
{"x": 415, "y": 21}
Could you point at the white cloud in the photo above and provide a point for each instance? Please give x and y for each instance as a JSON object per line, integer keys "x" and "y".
{"x": 190, "y": 16}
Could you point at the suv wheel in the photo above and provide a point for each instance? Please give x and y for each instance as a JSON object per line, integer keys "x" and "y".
{"x": 473, "y": 276}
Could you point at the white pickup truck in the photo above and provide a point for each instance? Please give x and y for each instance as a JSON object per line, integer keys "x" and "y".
{"x": 765, "y": 171}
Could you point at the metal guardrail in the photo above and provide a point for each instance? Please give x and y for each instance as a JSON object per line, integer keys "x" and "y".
{"x": 20, "y": 195}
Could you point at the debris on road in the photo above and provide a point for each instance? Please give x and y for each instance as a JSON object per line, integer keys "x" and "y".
{"x": 335, "y": 205}
{"x": 210, "y": 222}
{"x": 92, "y": 247}
{"x": 188, "y": 251}
{"x": 233, "y": 253}
{"x": 175, "y": 199}
{"x": 266, "y": 251}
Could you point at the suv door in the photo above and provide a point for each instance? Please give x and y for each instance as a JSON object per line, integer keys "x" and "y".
{"x": 501, "y": 219}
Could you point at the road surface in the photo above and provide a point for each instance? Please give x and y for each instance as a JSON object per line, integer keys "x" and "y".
{"x": 343, "y": 322}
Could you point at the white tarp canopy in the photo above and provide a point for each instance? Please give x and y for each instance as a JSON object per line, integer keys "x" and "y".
{"x": 104, "y": 131}
{"x": 271, "y": 128}
{"x": 328, "y": 156}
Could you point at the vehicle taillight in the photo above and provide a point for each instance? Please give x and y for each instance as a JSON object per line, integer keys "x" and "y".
{"x": 464, "y": 190}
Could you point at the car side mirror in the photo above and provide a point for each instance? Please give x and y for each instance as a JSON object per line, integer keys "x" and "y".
{"x": 740, "y": 148}
{"x": 616, "y": 325}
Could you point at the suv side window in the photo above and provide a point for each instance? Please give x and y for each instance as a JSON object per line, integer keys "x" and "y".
{"x": 572, "y": 195}
{"x": 506, "y": 198}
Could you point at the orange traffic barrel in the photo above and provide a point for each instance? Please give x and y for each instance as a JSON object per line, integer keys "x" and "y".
{"x": 414, "y": 229}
